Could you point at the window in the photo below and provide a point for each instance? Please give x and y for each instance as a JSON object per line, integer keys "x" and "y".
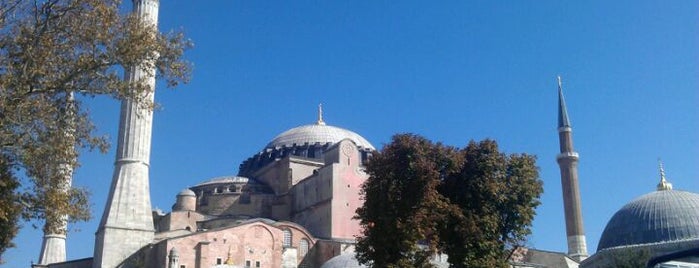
{"x": 287, "y": 238}
{"x": 219, "y": 261}
{"x": 183, "y": 266}
{"x": 303, "y": 247}
{"x": 257, "y": 264}
{"x": 247, "y": 264}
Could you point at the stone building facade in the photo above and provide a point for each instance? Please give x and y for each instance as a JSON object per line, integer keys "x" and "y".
{"x": 290, "y": 205}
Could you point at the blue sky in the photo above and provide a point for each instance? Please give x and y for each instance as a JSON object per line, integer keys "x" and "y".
{"x": 453, "y": 71}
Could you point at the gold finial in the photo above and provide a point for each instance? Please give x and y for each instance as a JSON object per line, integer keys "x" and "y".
{"x": 320, "y": 115}
{"x": 664, "y": 184}
{"x": 229, "y": 260}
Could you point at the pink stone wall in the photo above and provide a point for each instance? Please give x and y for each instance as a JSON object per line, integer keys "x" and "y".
{"x": 275, "y": 175}
{"x": 312, "y": 198}
{"x": 182, "y": 219}
{"x": 325, "y": 203}
{"x": 348, "y": 177}
{"x": 254, "y": 242}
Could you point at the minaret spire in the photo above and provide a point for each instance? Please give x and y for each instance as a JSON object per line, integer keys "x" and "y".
{"x": 563, "y": 120}
{"x": 320, "y": 115}
{"x": 127, "y": 222}
{"x": 568, "y": 163}
{"x": 663, "y": 185}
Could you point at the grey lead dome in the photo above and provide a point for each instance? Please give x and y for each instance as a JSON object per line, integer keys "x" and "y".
{"x": 659, "y": 216}
{"x": 346, "y": 260}
{"x": 186, "y": 192}
{"x": 317, "y": 133}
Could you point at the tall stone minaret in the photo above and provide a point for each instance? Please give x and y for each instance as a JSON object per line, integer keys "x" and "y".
{"x": 568, "y": 162}
{"x": 127, "y": 222}
{"x": 53, "y": 246}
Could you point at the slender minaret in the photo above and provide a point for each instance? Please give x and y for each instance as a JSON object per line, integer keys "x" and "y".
{"x": 568, "y": 162}
{"x": 127, "y": 222}
{"x": 53, "y": 245}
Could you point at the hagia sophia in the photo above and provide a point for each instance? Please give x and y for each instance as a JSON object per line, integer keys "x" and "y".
{"x": 292, "y": 205}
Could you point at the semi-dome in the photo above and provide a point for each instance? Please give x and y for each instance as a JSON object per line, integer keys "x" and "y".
{"x": 224, "y": 180}
{"x": 661, "y": 216}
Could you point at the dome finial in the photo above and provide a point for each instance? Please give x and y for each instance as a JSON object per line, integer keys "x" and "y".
{"x": 664, "y": 184}
{"x": 320, "y": 115}
{"x": 229, "y": 259}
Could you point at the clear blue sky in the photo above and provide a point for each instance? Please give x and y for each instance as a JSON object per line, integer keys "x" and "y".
{"x": 453, "y": 71}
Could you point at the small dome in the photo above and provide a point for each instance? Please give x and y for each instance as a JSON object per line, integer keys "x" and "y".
{"x": 186, "y": 192}
{"x": 318, "y": 133}
{"x": 659, "y": 216}
{"x": 346, "y": 260}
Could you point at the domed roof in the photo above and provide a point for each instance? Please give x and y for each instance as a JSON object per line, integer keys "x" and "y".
{"x": 345, "y": 260}
{"x": 186, "y": 192}
{"x": 317, "y": 133}
{"x": 661, "y": 216}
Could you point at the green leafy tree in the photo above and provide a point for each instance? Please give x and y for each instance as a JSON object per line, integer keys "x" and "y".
{"x": 402, "y": 209}
{"x": 421, "y": 198}
{"x": 495, "y": 195}
{"x": 9, "y": 208}
{"x": 630, "y": 258}
{"x": 50, "y": 51}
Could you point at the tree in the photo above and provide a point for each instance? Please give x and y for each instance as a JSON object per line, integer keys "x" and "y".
{"x": 630, "y": 257}
{"x": 402, "y": 208}
{"x": 51, "y": 50}
{"x": 9, "y": 209}
{"x": 474, "y": 204}
{"x": 495, "y": 196}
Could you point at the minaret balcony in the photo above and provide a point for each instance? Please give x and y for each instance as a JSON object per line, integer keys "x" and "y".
{"x": 567, "y": 156}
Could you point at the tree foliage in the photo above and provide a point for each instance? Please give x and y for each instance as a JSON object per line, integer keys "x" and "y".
{"x": 9, "y": 209}
{"x": 402, "y": 208}
{"x": 474, "y": 204}
{"x": 50, "y": 51}
{"x": 630, "y": 258}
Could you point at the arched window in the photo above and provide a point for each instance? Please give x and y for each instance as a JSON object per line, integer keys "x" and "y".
{"x": 287, "y": 238}
{"x": 303, "y": 247}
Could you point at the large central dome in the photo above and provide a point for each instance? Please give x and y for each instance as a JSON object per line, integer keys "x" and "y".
{"x": 317, "y": 133}
{"x": 660, "y": 216}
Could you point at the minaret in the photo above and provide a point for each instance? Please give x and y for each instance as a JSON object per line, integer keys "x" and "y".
{"x": 568, "y": 162}
{"x": 127, "y": 222}
{"x": 53, "y": 245}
